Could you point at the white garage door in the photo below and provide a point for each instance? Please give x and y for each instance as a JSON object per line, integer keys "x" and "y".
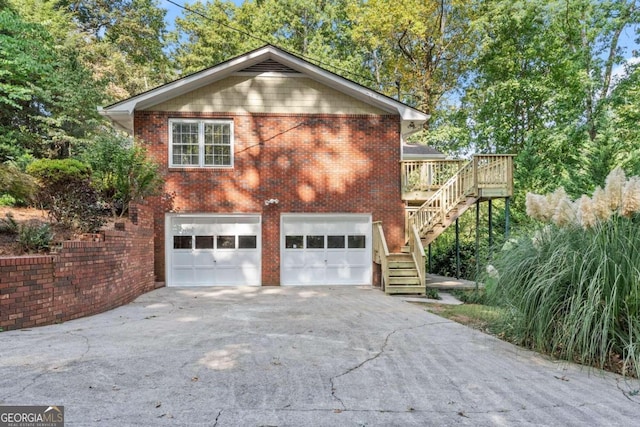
{"x": 213, "y": 250}
{"x": 332, "y": 249}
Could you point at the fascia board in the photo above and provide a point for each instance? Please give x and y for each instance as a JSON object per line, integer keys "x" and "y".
{"x": 350, "y": 88}
{"x": 187, "y": 84}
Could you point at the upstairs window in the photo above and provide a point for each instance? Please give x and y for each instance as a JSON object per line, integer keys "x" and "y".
{"x": 201, "y": 143}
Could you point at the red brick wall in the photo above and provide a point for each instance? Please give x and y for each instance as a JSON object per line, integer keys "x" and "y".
{"x": 81, "y": 279}
{"x": 310, "y": 163}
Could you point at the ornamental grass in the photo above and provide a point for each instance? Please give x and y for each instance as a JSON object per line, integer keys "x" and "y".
{"x": 573, "y": 289}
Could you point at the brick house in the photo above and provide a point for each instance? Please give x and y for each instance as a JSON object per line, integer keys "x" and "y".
{"x": 276, "y": 169}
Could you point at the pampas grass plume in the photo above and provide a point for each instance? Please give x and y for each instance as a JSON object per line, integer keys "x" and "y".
{"x": 630, "y": 197}
{"x": 614, "y": 186}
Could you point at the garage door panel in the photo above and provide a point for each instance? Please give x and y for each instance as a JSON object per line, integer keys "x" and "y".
{"x": 312, "y": 275}
{"x": 358, "y": 257}
{"x": 213, "y": 250}
{"x": 183, "y": 259}
{"x": 183, "y": 275}
{"x": 314, "y": 258}
{"x": 244, "y": 275}
{"x": 337, "y": 258}
{"x": 293, "y": 258}
{"x": 201, "y": 259}
{"x": 325, "y": 255}
{"x": 204, "y": 274}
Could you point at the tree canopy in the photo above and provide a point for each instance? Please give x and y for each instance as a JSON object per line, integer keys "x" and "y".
{"x": 554, "y": 82}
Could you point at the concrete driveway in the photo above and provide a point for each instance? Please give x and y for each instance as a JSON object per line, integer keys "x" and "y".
{"x": 321, "y": 356}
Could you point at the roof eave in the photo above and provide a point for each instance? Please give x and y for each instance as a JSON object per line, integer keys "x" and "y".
{"x": 122, "y": 119}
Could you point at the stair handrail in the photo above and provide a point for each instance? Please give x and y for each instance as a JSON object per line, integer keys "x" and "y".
{"x": 381, "y": 252}
{"x": 417, "y": 252}
{"x": 452, "y": 192}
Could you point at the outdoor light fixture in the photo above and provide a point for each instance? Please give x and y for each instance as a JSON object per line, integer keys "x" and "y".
{"x": 271, "y": 202}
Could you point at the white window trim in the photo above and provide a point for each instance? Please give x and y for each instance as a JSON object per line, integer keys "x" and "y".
{"x": 201, "y": 123}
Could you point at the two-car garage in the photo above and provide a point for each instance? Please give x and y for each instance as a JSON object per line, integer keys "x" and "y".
{"x": 226, "y": 250}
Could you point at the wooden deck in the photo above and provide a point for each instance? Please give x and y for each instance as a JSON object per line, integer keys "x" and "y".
{"x": 490, "y": 174}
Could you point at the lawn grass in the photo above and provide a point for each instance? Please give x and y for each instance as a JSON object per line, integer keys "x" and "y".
{"x": 477, "y": 316}
{"x": 498, "y": 322}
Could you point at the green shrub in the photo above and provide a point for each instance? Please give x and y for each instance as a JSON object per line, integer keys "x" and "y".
{"x": 122, "y": 173}
{"x": 8, "y": 224}
{"x": 15, "y": 186}
{"x": 432, "y": 293}
{"x": 35, "y": 238}
{"x": 444, "y": 261}
{"x": 470, "y": 296}
{"x": 575, "y": 293}
{"x": 7, "y": 200}
{"x": 573, "y": 289}
{"x": 59, "y": 170}
{"x": 67, "y": 194}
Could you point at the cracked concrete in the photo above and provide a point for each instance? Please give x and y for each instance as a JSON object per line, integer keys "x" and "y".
{"x": 266, "y": 356}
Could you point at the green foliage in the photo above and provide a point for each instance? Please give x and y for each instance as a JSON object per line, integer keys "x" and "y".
{"x": 30, "y": 237}
{"x": 122, "y": 173}
{"x": 543, "y": 88}
{"x": 35, "y": 238}
{"x": 432, "y": 293}
{"x": 47, "y": 99}
{"x": 470, "y": 296}
{"x": 575, "y": 293}
{"x": 7, "y": 200}
{"x": 59, "y": 171}
{"x": 444, "y": 261}
{"x": 122, "y": 43}
{"x": 8, "y": 224}
{"x": 16, "y": 185}
{"x": 424, "y": 47}
{"x": 66, "y": 192}
{"x": 319, "y": 31}
{"x": 443, "y": 249}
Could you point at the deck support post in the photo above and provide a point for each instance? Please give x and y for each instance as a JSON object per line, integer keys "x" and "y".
{"x": 457, "y": 249}
{"x": 506, "y": 218}
{"x": 490, "y": 226}
{"x": 477, "y": 242}
{"x": 429, "y": 258}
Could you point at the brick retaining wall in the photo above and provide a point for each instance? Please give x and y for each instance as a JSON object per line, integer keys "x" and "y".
{"x": 81, "y": 279}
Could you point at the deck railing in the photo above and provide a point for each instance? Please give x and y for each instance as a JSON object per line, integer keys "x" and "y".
{"x": 495, "y": 171}
{"x": 427, "y": 175}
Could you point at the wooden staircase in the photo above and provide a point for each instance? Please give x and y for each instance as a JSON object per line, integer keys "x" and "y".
{"x": 403, "y": 275}
{"x": 403, "y": 272}
{"x": 483, "y": 177}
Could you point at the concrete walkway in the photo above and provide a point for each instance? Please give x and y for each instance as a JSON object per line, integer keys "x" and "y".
{"x": 321, "y": 356}
{"x": 449, "y": 283}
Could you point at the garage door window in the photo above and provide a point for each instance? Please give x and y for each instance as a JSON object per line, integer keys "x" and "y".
{"x": 247, "y": 242}
{"x": 294, "y": 242}
{"x": 315, "y": 242}
{"x": 335, "y": 242}
{"x": 226, "y": 242}
{"x": 204, "y": 242}
{"x": 181, "y": 242}
{"x": 357, "y": 242}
